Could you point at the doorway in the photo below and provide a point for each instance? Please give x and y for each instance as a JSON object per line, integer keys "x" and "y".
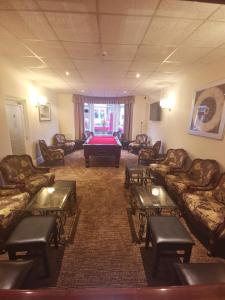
{"x": 16, "y": 125}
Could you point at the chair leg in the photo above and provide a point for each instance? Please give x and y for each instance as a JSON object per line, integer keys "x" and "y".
{"x": 45, "y": 261}
{"x": 12, "y": 255}
{"x": 155, "y": 260}
{"x": 147, "y": 239}
{"x": 187, "y": 255}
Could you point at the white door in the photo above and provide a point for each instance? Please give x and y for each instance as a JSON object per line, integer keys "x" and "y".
{"x": 15, "y": 120}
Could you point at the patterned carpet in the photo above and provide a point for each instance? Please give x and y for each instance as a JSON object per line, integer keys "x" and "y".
{"x": 103, "y": 252}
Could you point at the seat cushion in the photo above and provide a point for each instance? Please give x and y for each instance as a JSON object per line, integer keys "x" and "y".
{"x": 32, "y": 230}
{"x": 8, "y": 205}
{"x": 168, "y": 229}
{"x": 159, "y": 169}
{"x": 14, "y": 273}
{"x": 70, "y": 144}
{"x": 35, "y": 182}
{"x": 201, "y": 273}
{"x": 179, "y": 183}
{"x": 208, "y": 211}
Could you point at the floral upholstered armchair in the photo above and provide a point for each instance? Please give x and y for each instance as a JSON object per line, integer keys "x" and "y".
{"x": 201, "y": 174}
{"x": 61, "y": 142}
{"x": 20, "y": 171}
{"x": 49, "y": 154}
{"x": 11, "y": 202}
{"x": 149, "y": 153}
{"x": 206, "y": 210}
{"x": 175, "y": 160}
{"x": 141, "y": 141}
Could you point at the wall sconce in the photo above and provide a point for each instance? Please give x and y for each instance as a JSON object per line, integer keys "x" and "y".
{"x": 167, "y": 103}
{"x": 40, "y": 100}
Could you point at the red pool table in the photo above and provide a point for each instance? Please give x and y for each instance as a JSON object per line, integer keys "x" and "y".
{"x": 102, "y": 146}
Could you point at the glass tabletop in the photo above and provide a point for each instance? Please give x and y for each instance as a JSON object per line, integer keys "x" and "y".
{"x": 50, "y": 198}
{"x": 154, "y": 196}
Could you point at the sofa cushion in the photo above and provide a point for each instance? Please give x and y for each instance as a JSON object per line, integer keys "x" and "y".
{"x": 160, "y": 169}
{"x": 7, "y": 206}
{"x": 208, "y": 211}
{"x": 36, "y": 181}
{"x": 179, "y": 183}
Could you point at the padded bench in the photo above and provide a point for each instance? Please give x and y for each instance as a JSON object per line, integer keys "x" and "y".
{"x": 167, "y": 234}
{"x": 14, "y": 273}
{"x": 33, "y": 234}
{"x": 201, "y": 273}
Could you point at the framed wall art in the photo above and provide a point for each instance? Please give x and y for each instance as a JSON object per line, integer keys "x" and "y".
{"x": 208, "y": 111}
{"x": 45, "y": 112}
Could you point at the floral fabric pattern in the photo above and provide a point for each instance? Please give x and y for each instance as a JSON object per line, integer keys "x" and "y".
{"x": 50, "y": 154}
{"x": 208, "y": 211}
{"x": 201, "y": 173}
{"x": 19, "y": 169}
{"x": 9, "y": 205}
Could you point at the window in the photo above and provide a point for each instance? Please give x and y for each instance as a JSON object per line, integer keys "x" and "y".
{"x": 103, "y": 119}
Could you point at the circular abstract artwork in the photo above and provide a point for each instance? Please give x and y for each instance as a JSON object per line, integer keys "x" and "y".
{"x": 208, "y": 110}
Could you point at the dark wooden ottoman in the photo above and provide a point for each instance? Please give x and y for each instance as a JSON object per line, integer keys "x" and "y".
{"x": 168, "y": 235}
{"x": 33, "y": 234}
{"x": 201, "y": 273}
{"x": 14, "y": 273}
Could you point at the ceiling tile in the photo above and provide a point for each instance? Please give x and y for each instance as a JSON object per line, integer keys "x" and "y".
{"x": 101, "y": 65}
{"x": 153, "y": 53}
{"x": 26, "y": 25}
{"x": 119, "y": 52}
{"x": 128, "y": 7}
{"x": 27, "y": 62}
{"x": 74, "y": 27}
{"x": 219, "y": 15}
{"x": 4, "y": 34}
{"x": 169, "y": 31}
{"x": 210, "y": 34}
{"x": 18, "y": 4}
{"x": 51, "y": 49}
{"x": 83, "y": 51}
{"x": 170, "y": 67}
{"x": 71, "y": 6}
{"x": 13, "y": 48}
{"x": 217, "y": 54}
{"x": 143, "y": 65}
{"x": 185, "y": 9}
{"x": 122, "y": 29}
{"x": 59, "y": 63}
{"x": 188, "y": 55}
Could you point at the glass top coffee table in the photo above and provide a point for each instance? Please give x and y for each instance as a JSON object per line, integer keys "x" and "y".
{"x": 150, "y": 200}
{"x": 59, "y": 199}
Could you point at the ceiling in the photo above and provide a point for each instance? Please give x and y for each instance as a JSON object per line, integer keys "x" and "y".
{"x": 103, "y": 44}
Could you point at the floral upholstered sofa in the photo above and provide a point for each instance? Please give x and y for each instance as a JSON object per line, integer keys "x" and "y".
{"x": 202, "y": 173}
{"x": 206, "y": 210}
{"x": 175, "y": 160}
{"x": 20, "y": 171}
{"x": 11, "y": 201}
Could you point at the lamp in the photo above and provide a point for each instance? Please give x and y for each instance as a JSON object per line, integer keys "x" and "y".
{"x": 167, "y": 103}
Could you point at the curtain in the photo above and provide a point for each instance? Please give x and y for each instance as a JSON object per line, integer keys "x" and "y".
{"x": 104, "y": 100}
{"x": 78, "y": 116}
{"x": 79, "y": 101}
{"x": 128, "y": 120}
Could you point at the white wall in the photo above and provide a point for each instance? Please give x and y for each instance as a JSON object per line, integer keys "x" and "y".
{"x": 12, "y": 84}
{"x": 140, "y": 114}
{"x": 66, "y": 115}
{"x": 172, "y": 129}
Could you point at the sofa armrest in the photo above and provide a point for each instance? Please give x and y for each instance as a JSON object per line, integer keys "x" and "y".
{"x": 42, "y": 170}
{"x": 193, "y": 188}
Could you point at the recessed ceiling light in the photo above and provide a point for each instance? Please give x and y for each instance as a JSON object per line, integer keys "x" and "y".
{"x": 138, "y": 75}
{"x": 67, "y": 73}
{"x": 125, "y": 92}
{"x": 82, "y": 91}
